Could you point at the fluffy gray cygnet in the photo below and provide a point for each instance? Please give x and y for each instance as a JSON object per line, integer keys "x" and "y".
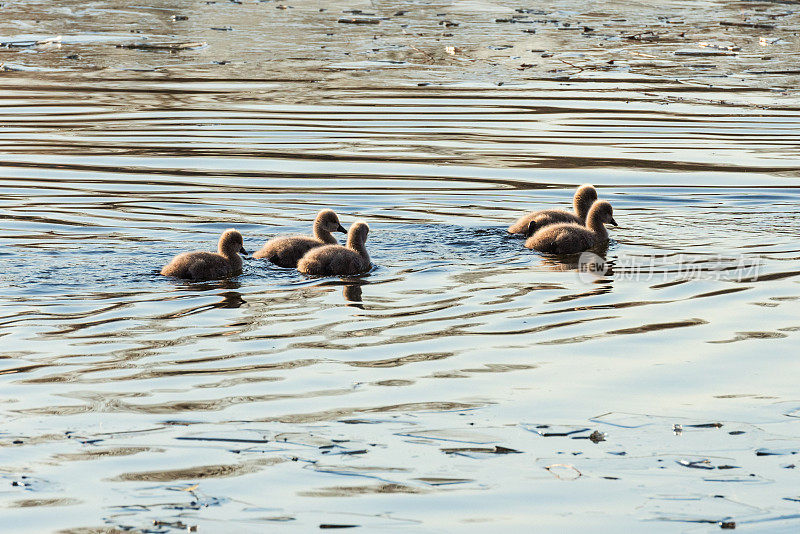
{"x": 209, "y": 265}
{"x": 571, "y": 238}
{"x": 286, "y": 251}
{"x": 584, "y": 197}
{"x": 339, "y": 260}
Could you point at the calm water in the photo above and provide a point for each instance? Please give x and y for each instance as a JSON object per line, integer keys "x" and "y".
{"x": 457, "y": 385}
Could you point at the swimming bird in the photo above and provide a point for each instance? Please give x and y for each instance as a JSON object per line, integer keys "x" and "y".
{"x": 210, "y": 265}
{"x": 286, "y": 251}
{"x": 339, "y": 260}
{"x": 584, "y": 197}
{"x": 571, "y": 238}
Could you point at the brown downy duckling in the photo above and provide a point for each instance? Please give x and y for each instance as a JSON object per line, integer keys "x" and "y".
{"x": 584, "y": 197}
{"x": 339, "y": 260}
{"x": 210, "y": 265}
{"x": 571, "y": 238}
{"x": 286, "y": 251}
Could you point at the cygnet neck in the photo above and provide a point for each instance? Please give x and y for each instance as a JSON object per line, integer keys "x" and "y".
{"x": 595, "y": 224}
{"x": 356, "y": 242}
{"x": 235, "y": 260}
{"x": 583, "y": 201}
{"x": 322, "y": 233}
{"x": 230, "y": 251}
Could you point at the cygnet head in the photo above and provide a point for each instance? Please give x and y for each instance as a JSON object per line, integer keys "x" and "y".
{"x": 358, "y": 233}
{"x": 329, "y": 221}
{"x": 602, "y": 212}
{"x": 231, "y": 243}
{"x": 585, "y": 196}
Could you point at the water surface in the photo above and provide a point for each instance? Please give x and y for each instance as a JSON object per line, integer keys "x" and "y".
{"x": 465, "y": 383}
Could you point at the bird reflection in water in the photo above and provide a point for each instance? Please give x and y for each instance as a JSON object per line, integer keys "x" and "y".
{"x": 230, "y": 299}
{"x": 592, "y": 263}
{"x": 352, "y": 294}
{"x": 351, "y": 290}
{"x": 592, "y": 268}
{"x": 228, "y": 283}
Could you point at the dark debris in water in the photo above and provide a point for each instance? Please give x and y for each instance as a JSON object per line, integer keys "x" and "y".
{"x": 175, "y": 524}
{"x": 497, "y": 449}
{"x": 757, "y": 25}
{"x": 358, "y": 20}
{"x": 699, "y": 464}
{"x": 164, "y": 46}
{"x": 440, "y": 481}
{"x": 775, "y": 452}
{"x": 550, "y": 431}
{"x": 597, "y": 436}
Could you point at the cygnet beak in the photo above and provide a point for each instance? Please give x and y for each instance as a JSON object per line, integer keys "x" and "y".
{"x": 612, "y": 221}
{"x": 341, "y": 229}
{"x": 242, "y": 251}
{"x": 531, "y": 229}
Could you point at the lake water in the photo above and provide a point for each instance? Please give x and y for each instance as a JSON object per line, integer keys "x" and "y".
{"x": 466, "y": 383}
